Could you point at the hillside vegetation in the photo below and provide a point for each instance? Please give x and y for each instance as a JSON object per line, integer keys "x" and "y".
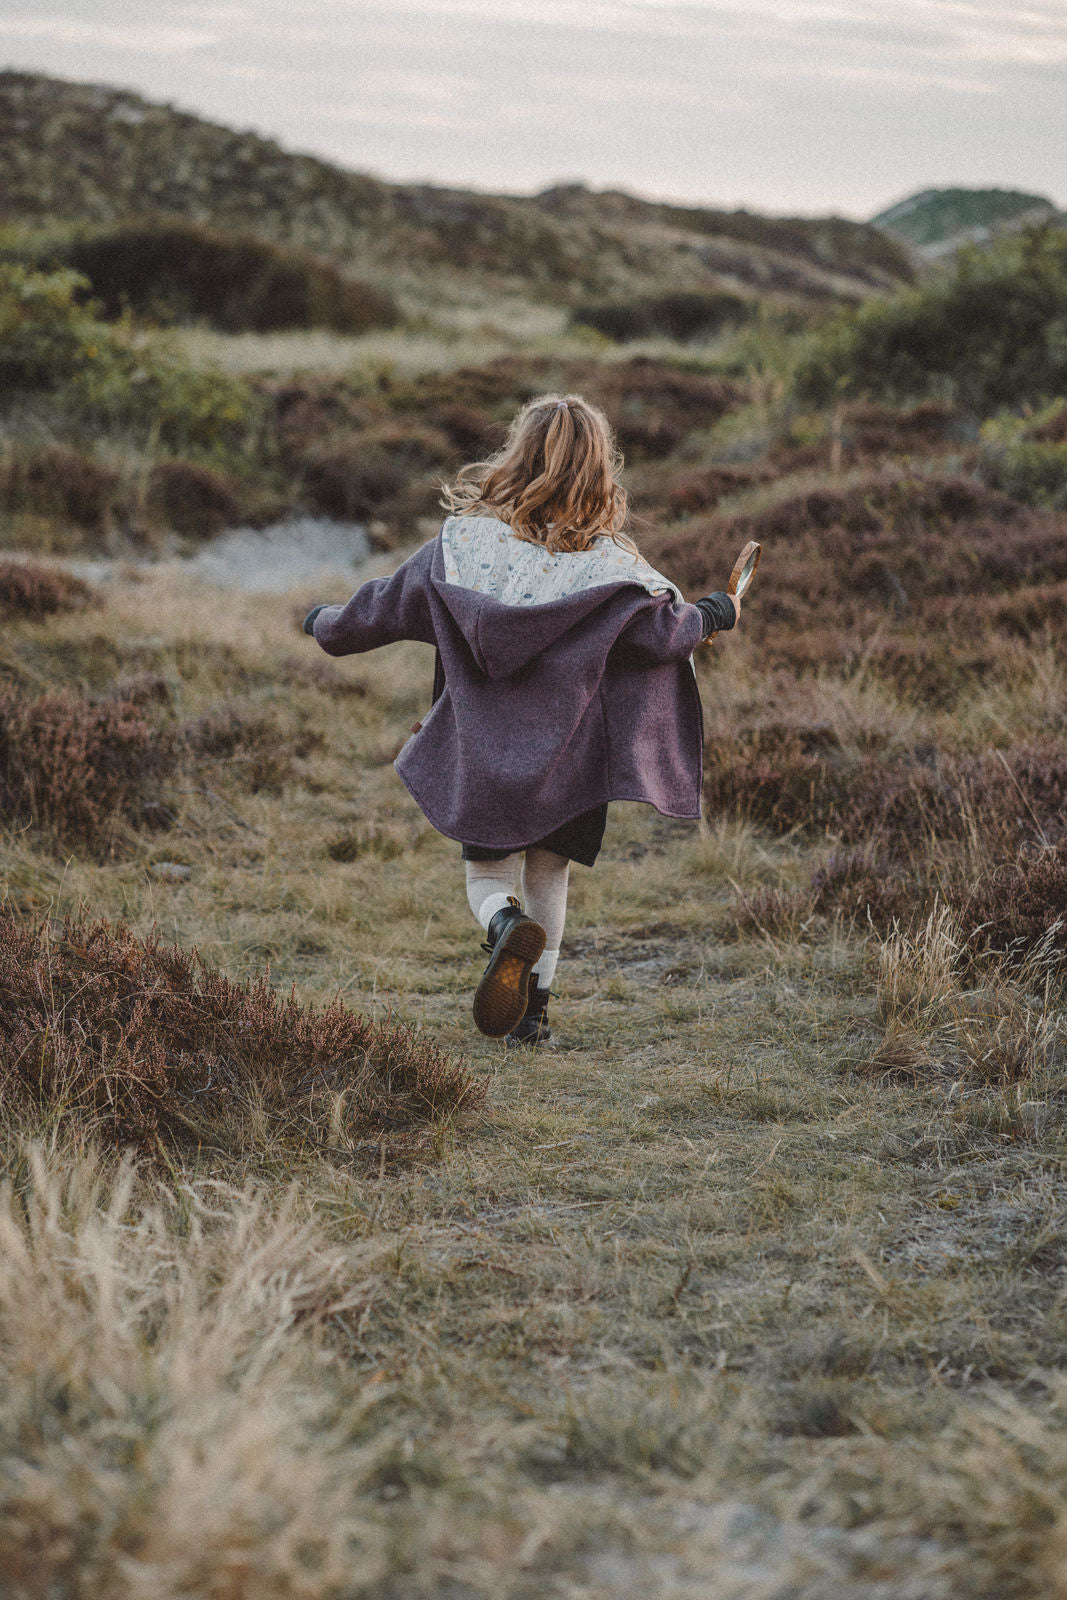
{"x": 754, "y": 1287}
{"x": 989, "y": 334}
{"x": 97, "y": 156}
{"x": 936, "y": 221}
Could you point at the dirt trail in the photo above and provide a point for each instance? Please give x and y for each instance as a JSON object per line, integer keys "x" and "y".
{"x": 269, "y": 560}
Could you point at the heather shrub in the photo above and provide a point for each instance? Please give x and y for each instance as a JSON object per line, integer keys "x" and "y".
{"x": 139, "y": 1042}
{"x": 703, "y": 488}
{"x": 897, "y": 549}
{"x": 54, "y": 481}
{"x": 868, "y": 885}
{"x": 785, "y": 776}
{"x": 469, "y": 429}
{"x": 177, "y": 271}
{"x": 79, "y": 769}
{"x": 351, "y": 481}
{"x": 29, "y": 590}
{"x": 1019, "y": 904}
{"x": 681, "y": 315}
{"x": 648, "y": 401}
{"x": 255, "y": 746}
{"x": 987, "y": 334}
{"x": 192, "y": 499}
{"x": 655, "y": 393}
{"x": 872, "y": 429}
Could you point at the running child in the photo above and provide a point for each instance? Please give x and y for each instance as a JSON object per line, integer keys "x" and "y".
{"x": 563, "y": 681}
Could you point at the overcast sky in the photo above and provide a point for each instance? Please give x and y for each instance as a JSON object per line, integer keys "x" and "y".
{"x": 781, "y": 105}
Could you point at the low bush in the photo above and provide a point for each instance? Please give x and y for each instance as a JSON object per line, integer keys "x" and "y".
{"x": 650, "y": 392}
{"x": 178, "y": 271}
{"x": 56, "y": 482}
{"x": 703, "y": 488}
{"x": 351, "y": 481}
{"x": 79, "y": 769}
{"x": 140, "y": 1042}
{"x": 892, "y": 548}
{"x": 682, "y": 315}
{"x": 470, "y": 429}
{"x": 987, "y": 334}
{"x": 255, "y": 745}
{"x": 1019, "y": 905}
{"x": 788, "y": 776}
{"x": 192, "y": 499}
{"x": 868, "y": 886}
{"x": 643, "y": 397}
{"x": 1027, "y": 456}
{"x": 92, "y": 375}
{"x": 29, "y": 590}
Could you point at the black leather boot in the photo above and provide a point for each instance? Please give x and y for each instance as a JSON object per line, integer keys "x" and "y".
{"x": 515, "y": 942}
{"x": 532, "y": 1028}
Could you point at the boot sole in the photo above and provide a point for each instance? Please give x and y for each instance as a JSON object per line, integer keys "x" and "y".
{"x": 500, "y": 998}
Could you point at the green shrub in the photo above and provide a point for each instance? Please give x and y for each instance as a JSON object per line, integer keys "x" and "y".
{"x": 53, "y": 349}
{"x": 178, "y": 272}
{"x": 1027, "y": 457}
{"x": 991, "y": 333}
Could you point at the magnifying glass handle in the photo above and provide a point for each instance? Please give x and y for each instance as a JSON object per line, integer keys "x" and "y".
{"x": 742, "y": 575}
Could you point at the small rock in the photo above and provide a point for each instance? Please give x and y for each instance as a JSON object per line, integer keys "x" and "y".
{"x": 172, "y": 871}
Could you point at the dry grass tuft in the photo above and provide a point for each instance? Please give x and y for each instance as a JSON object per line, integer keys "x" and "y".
{"x": 167, "y": 1424}
{"x": 918, "y": 971}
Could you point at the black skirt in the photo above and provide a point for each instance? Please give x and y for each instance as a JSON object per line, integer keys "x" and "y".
{"x": 579, "y": 840}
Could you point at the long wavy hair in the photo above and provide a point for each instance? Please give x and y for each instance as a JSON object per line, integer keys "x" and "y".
{"x": 555, "y": 481}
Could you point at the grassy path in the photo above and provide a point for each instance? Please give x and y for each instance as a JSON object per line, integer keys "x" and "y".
{"x": 700, "y": 1307}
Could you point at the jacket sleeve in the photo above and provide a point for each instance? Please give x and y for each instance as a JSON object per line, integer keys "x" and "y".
{"x": 381, "y": 611}
{"x": 664, "y": 630}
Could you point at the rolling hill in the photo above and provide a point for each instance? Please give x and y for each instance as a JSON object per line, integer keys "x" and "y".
{"x": 92, "y": 156}
{"x": 936, "y": 222}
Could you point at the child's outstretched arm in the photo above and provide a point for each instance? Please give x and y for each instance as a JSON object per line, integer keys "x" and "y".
{"x": 380, "y": 612}
{"x": 669, "y": 631}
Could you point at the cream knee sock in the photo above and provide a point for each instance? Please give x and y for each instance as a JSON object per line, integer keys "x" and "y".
{"x": 545, "y": 877}
{"x": 490, "y": 885}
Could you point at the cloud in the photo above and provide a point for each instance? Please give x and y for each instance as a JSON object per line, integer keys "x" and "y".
{"x": 157, "y": 38}
{"x": 781, "y": 104}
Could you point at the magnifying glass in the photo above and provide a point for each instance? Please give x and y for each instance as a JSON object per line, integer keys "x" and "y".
{"x": 743, "y": 574}
{"x": 744, "y": 568}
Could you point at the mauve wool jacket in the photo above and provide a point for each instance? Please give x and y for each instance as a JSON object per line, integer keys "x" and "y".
{"x": 544, "y": 710}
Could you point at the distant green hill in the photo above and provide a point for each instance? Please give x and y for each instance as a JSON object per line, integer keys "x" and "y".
{"x": 89, "y": 155}
{"x": 938, "y": 219}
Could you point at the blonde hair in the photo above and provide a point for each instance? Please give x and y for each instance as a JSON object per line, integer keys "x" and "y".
{"x": 555, "y": 481}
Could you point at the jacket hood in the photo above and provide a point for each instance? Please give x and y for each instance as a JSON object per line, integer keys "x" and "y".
{"x": 503, "y": 639}
{"x": 512, "y": 600}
